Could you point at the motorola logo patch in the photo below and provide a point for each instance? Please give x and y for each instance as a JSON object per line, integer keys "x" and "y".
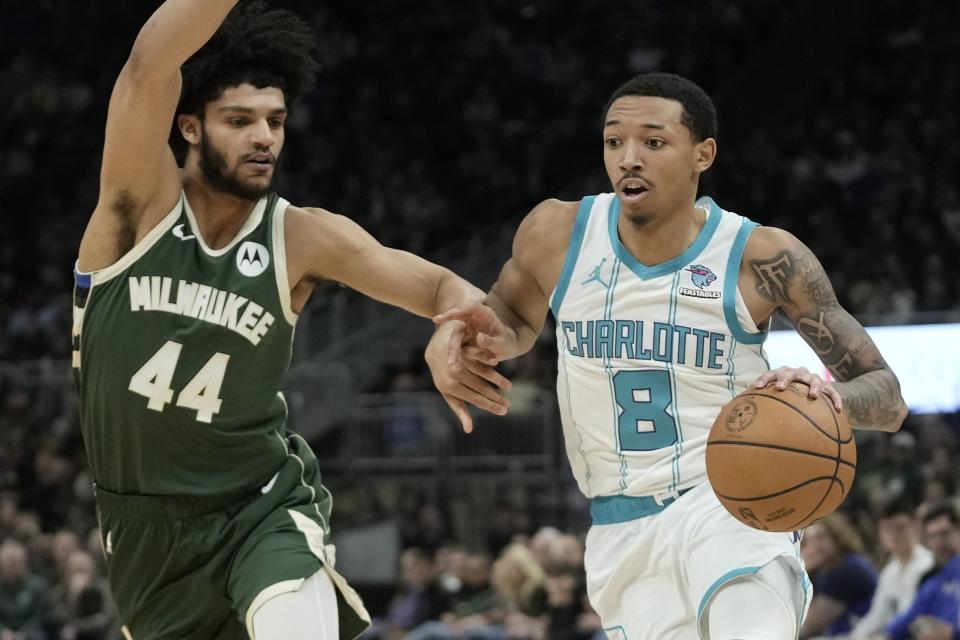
{"x": 252, "y": 259}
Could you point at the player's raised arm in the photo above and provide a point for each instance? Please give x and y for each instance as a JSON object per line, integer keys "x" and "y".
{"x": 783, "y": 273}
{"x": 139, "y": 175}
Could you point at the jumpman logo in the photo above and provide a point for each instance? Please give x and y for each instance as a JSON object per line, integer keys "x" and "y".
{"x": 595, "y": 276}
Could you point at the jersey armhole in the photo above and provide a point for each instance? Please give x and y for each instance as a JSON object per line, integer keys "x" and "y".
{"x": 731, "y": 288}
{"x": 573, "y": 251}
{"x": 138, "y": 251}
{"x": 279, "y": 242}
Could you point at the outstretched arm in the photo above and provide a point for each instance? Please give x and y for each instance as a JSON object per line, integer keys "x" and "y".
{"x": 471, "y": 340}
{"x": 325, "y": 246}
{"x": 139, "y": 179}
{"x": 786, "y": 275}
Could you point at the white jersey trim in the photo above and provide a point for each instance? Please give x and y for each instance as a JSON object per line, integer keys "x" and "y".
{"x": 252, "y": 222}
{"x": 280, "y": 260}
{"x": 139, "y": 250}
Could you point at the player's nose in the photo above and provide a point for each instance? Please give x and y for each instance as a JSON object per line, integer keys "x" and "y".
{"x": 262, "y": 135}
{"x": 632, "y": 158}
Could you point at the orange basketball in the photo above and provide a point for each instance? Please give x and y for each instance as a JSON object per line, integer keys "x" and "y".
{"x": 779, "y": 461}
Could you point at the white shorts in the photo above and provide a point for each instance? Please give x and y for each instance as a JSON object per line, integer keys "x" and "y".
{"x": 653, "y": 577}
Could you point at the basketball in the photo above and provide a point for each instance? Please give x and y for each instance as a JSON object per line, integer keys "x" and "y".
{"x": 779, "y": 461}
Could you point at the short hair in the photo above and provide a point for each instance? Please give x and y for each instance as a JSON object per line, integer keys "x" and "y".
{"x": 940, "y": 510}
{"x": 256, "y": 45}
{"x": 699, "y": 112}
{"x": 898, "y": 507}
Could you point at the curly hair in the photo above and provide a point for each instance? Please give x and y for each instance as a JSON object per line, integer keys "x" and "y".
{"x": 699, "y": 112}
{"x": 256, "y": 45}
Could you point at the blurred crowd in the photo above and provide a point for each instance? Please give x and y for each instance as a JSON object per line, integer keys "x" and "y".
{"x": 448, "y": 118}
{"x": 533, "y": 588}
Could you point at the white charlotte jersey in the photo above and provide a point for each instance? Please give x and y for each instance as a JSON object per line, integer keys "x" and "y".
{"x": 649, "y": 355}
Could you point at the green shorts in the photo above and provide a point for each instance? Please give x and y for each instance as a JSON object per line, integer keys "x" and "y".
{"x": 198, "y": 568}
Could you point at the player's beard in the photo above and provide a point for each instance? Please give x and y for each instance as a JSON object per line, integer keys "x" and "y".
{"x": 638, "y": 220}
{"x": 213, "y": 165}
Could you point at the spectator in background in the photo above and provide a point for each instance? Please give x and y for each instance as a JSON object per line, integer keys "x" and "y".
{"x": 475, "y": 612}
{"x": 519, "y": 580}
{"x": 24, "y": 608}
{"x": 935, "y": 612}
{"x": 843, "y": 580}
{"x": 909, "y": 560}
{"x": 420, "y": 599}
{"x": 81, "y": 600}
{"x": 566, "y": 594}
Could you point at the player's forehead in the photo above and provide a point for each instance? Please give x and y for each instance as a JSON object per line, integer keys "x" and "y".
{"x": 641, "y": 111}
{"x": 248, "y": 98}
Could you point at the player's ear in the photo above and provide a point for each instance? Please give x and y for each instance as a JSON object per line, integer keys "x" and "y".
{"x": 705, "y": 152}
{"x": 189, "y": 126}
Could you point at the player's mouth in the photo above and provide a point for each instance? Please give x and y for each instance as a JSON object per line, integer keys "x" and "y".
{"x": 260, "y": 162}
{"x": 634, "y": 190}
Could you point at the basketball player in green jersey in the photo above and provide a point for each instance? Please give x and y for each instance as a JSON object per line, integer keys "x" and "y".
{"x": 213, "y": 520}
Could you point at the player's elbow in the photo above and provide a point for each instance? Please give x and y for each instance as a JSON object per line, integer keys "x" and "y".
{"x": 141, "y": 70}
{"x": 150, "y": 57}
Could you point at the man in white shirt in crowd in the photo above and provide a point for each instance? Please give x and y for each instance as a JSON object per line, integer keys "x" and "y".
{"x": 909, "y": 561}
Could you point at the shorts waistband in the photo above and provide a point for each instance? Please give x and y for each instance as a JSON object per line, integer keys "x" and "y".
{"x": 170, "y": 507}
{"x": 614, "y": 509}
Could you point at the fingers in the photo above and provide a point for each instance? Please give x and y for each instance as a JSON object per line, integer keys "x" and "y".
{"x": 479, "y": 354}
{"x": 489, "y": 374}
{"x": 499, "y": 346}
{"x": 456, "y": 313}
{"x": 460, "y": 410}
{"x": 783, "y": 376}
{"x": 831, "y": 392}
{"x": 471, "y": 388}
{"x": 766, "y": 378}
{"x": 454, "y": 346}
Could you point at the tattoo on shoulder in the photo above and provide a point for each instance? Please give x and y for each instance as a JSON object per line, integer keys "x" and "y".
{"x": 774, "y": 276}
{"x": 777, "y": 275}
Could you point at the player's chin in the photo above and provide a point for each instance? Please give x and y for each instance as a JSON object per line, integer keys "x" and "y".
{"x": 637, "y": 210}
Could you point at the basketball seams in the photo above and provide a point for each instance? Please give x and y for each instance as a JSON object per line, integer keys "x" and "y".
{"x": 781, "y": 447}
{"x": 808, "y": 418}
{"x": 787, "y": 490}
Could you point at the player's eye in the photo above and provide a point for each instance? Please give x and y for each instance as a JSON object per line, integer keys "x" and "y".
{"x": 276, "y": 123}
{"x": 236, "y": 122}
{"x": 612, "y": 143}
{"x": 655, "y": 143}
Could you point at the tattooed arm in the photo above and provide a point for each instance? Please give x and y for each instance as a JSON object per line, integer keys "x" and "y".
{"x": 779, "y": 272}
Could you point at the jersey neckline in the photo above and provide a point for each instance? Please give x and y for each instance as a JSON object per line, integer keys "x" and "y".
{"x": 252, "y": 222}
{"x": 674, "y": 264}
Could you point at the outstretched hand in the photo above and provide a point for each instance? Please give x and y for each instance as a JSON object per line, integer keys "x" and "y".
{"x": 459, "y": 376}
{"x": 485, "y": 339}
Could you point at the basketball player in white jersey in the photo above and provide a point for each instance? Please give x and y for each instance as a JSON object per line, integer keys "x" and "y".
{"x": 662, "y": 303}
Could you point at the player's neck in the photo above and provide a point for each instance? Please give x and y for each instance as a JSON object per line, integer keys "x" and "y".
{"x": 663, "y": 236}
{"x": 219, "y": 216}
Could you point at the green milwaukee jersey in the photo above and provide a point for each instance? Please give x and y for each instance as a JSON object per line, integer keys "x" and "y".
{"x": 179, "y": 351}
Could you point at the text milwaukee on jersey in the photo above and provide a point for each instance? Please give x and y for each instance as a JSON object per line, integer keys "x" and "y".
{"x": 203, "y": 302}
